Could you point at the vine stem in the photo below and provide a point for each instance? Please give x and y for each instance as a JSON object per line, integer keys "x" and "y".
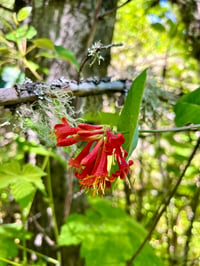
{"x": 48, "y": 259}
{"x": 24, "y": 242}
{"x": 161, "y": 210}
{"x": 51, "y": 203}
{"x": 10, "y": 262}
{"x": 175, "y": 129}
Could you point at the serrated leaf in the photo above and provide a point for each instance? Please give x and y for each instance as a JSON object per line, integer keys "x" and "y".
{"x": 108, "y": 236}
{"x": 187, "y": 109}
{"x": 23, "y": 192}
{"x": 129, "y": 116}
{"x": 44, "y": 43}
{"x": 12, "y": 172}
{"x": 24, "y": 13}
{"x": 66, "y": 54}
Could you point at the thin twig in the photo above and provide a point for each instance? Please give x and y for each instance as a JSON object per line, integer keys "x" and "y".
{"x": 45, "y": 257}
{"x": 113, "y": 10}
{"x": 166, "y": 203}
{"x": 194, "y": 206}
{"x": 49, "y": 241}
{"x": 96, "y": 48}
{"x": 94, "y": 25}
{"x": 176, "y": 129}
{"x": 6, "y": 8}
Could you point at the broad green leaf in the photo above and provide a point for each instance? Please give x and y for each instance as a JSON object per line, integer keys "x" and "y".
{"x": 187, "y": 109}
{"x": 8, "y": 248}
{"x": 44, "y": 43}
{"x": 66, "y": 54}
{"x": 108, "y": 236}
{"x": 23, "y": 192}
{"x": 24, "y": 13}
{"x": 12, "y": 172}
{"x": 129, "y": 116}
{"x": 102, "y": 118}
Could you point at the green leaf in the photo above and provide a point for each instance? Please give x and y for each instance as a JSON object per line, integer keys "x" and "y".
{"x": 23, "y": 182}
{"x": 32, "y": 65}
{"x": 134, "y": 141}
{"x": 187, "y": 109}
{"x": 66, "y": 54}
{"x": 12, "y": 172}
{"x": 21, "y": 32}
{"x": 102, "y": 118}
{"x": 108, "y": 236}
{"x": 24, "y": 13}
{"x": 8, "y": 248}
{"x": 23, "y": 192}
{"x": 129, "y": 116}
{"x": 158, "y": 26}
{"x": 31, "y": 32}
{"x": 44, "y": 43}
{"x": 47, "y": 55}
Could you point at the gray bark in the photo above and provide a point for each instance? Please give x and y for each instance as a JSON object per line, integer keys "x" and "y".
{"x": 74, "y": 24}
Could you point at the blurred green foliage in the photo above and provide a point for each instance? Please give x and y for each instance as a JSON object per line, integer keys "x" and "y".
{"x": 107, "y": 236}
{"x": 18, "y": 42}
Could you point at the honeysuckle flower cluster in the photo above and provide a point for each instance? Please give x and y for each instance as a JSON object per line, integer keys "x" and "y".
{"x": 91, "y": 164}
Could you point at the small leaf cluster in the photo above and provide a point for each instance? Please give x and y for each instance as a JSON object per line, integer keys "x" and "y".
{"x": 18, "y": 43}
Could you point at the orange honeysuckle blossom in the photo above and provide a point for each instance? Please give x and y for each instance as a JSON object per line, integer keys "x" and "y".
{"x": 91, "y": 164}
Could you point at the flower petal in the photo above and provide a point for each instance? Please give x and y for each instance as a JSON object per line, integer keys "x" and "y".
{"x": 76, "y": 162}
{"x": 92, "y": 155}
{"x": 89, "y": 127}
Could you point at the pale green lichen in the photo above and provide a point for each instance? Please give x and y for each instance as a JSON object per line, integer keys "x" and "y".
{"x": 42, "y": 115}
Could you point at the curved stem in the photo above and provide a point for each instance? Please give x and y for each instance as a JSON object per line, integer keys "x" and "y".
{"x": 10, "y": 262}
{"x": 161, "y": 209}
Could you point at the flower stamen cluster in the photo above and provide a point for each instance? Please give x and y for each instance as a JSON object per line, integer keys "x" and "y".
{"x": 91, "y": 163}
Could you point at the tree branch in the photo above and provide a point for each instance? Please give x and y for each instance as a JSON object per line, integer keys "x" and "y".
{"x": 161, "y": 209}
{"x": 29, "y": 92}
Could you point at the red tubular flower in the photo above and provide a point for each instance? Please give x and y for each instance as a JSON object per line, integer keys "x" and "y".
{"x": 92, "y": 162}
{"x": 66, "y": 142}
{"x": 93, "y": 154}
{"x": 89, "y": 127}
{"x": 76, "y": 162}
{"x": 124, "y": 167}
{"x": 86, "y": 133}
{"x": 98, "y": 180}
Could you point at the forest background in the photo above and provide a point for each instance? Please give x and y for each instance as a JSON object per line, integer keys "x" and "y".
{"x": 45, "y": 219}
